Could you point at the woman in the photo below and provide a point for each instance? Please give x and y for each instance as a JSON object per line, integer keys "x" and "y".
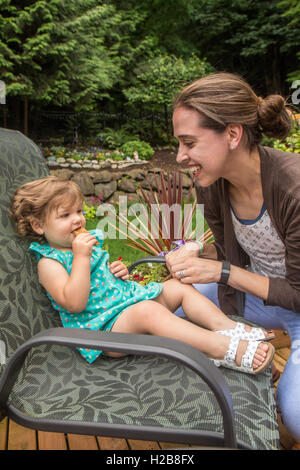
{"x": 251, "y": 197}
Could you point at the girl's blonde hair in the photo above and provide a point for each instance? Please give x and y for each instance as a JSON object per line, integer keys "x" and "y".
{"x": 225, "y": 98}
{"x": 37, "y": 199}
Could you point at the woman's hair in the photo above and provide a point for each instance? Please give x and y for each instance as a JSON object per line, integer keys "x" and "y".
{"x": 225, "y": 98}
{"x": 37, "y": 199}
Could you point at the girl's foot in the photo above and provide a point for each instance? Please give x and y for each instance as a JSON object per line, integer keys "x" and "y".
{"x": 252, "y": 357}
{"x": 247, "y": 332}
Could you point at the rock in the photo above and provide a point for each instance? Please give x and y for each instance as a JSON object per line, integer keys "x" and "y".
{"x": 122, "y": 198}
{"x": 102, "y": 176}
{"x": 63, "y": 174}
{"x": 186, "y": 180}
{"x": 137, "y": 175}
{"x": 84, "y": 182}
{"x": 128, "y": 185}
{"x": 105, "y": 189}
{"x": 61, "y": 160}
{"x": 105, "y": 165}
{"x": 75, "y": 165}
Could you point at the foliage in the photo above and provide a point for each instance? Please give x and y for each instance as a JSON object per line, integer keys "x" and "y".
{"x": 150, "y": 272}
{"x": 159, "y": 226}
{"x": 122, "y": 58}
{"x": 115, "y": 138}
{"x": 55, "y": 52}
{"x": 160, "y": 78}
{"x": 291, "y": 143}
{"x": 89, "y": 212}
{"x": 138, "y": 149}
{"x": 251, "y": 38}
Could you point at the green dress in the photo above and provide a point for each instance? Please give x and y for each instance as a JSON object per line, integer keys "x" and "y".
{"x": 109, "y": 296}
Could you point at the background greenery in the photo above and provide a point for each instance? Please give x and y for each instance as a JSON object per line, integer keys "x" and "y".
{"x": 74, "y": 69}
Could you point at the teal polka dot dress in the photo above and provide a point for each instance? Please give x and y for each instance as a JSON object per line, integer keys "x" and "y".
{"x": 109, "y": 296}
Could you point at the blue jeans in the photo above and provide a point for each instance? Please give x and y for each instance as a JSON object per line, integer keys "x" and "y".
{"x": 269, "y": 317}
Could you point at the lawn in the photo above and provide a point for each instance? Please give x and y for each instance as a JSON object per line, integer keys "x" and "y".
{"x": 117, "y": 248}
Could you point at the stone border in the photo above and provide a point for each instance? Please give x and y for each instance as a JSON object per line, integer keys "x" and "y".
{"x": 109, "y": 185}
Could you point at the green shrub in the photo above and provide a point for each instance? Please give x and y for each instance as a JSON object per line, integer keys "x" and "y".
{"x": 115, "y": 138}
{"x": 291, "y": 143}
{"x": 137, "y": 147}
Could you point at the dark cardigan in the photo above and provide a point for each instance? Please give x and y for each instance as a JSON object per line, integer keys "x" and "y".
{"x": 280, "y": 176}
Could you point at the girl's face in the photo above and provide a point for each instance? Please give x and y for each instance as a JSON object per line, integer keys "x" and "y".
{"x": 60, "y": 224}
{"x": 203, "y": 150}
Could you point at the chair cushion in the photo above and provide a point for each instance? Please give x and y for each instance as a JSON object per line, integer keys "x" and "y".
{"x": 142, "y": 390}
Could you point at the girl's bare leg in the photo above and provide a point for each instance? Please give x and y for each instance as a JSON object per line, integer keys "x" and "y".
{"x": 150, "y": 317}
{"x": 198, "y": 308}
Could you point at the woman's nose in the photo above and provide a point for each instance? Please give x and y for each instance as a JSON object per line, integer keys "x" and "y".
{"x": 181, "y": 156}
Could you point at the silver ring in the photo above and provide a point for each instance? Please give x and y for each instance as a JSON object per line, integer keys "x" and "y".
{"x": 180, "y": 274}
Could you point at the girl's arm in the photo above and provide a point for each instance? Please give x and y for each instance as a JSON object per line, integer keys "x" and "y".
{"x": 69, "y": 291}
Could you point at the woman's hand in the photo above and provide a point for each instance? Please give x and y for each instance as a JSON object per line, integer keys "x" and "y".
{"x": 119, "y": 269}
{"x": 193, "y": 270}
{"x": 189, "y": 250}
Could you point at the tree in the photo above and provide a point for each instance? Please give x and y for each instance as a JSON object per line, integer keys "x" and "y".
{"x": 250, "y": 37}
{"x": 55, "y": 52}
{"x": 292, "y": 13}
{"x": 161, "y": 77}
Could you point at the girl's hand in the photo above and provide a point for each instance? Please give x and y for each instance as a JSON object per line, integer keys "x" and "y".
{"x": 83, "y": 244}
{"x": 119, "y": 269}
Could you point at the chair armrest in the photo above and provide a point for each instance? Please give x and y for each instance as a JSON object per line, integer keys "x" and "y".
{"x": 149, "y": 259}
{"x": 132, "y": 344}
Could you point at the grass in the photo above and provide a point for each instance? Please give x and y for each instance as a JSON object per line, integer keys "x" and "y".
{"x": 117, "y": 248}
{"x": 120, "y": 248}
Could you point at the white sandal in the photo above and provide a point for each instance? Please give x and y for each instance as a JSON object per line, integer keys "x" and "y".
{"x": 247, "y": 358}
{"x": 255, "y": 334}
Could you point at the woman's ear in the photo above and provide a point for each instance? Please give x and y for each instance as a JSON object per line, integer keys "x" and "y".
{"x": 235, "y": 133}
{"x": 36, "y": 226}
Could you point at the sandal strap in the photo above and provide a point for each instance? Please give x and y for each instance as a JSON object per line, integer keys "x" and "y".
{"x": 256, "y": 334}
{"x": 248, "y": 357}
{"x": 230, "y": 355}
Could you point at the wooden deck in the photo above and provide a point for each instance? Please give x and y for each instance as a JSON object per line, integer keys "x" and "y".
{"x": 16, "y": 437}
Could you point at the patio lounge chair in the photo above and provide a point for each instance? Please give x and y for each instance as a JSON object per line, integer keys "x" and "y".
{"x": 164, "y": 390}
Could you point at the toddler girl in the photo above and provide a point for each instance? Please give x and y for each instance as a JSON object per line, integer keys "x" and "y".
{"x": 89, "y": 293}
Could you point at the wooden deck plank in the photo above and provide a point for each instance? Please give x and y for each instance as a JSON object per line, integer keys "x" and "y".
{"x": 3, "y": 433}
{"x": 51, "y": 441}
{"x": 109, "y": 443}
{"x": 135, "y": 444}
{"x": 172, "y": 445}
{"x": 79, "y": 442}
{"x": 20, "y": 438}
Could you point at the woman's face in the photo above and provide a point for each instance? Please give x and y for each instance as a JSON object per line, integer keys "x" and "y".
{"x": 203, "y": 150}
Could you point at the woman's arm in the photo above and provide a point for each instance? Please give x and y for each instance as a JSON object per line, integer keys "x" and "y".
{"x": 206, "y": 271}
